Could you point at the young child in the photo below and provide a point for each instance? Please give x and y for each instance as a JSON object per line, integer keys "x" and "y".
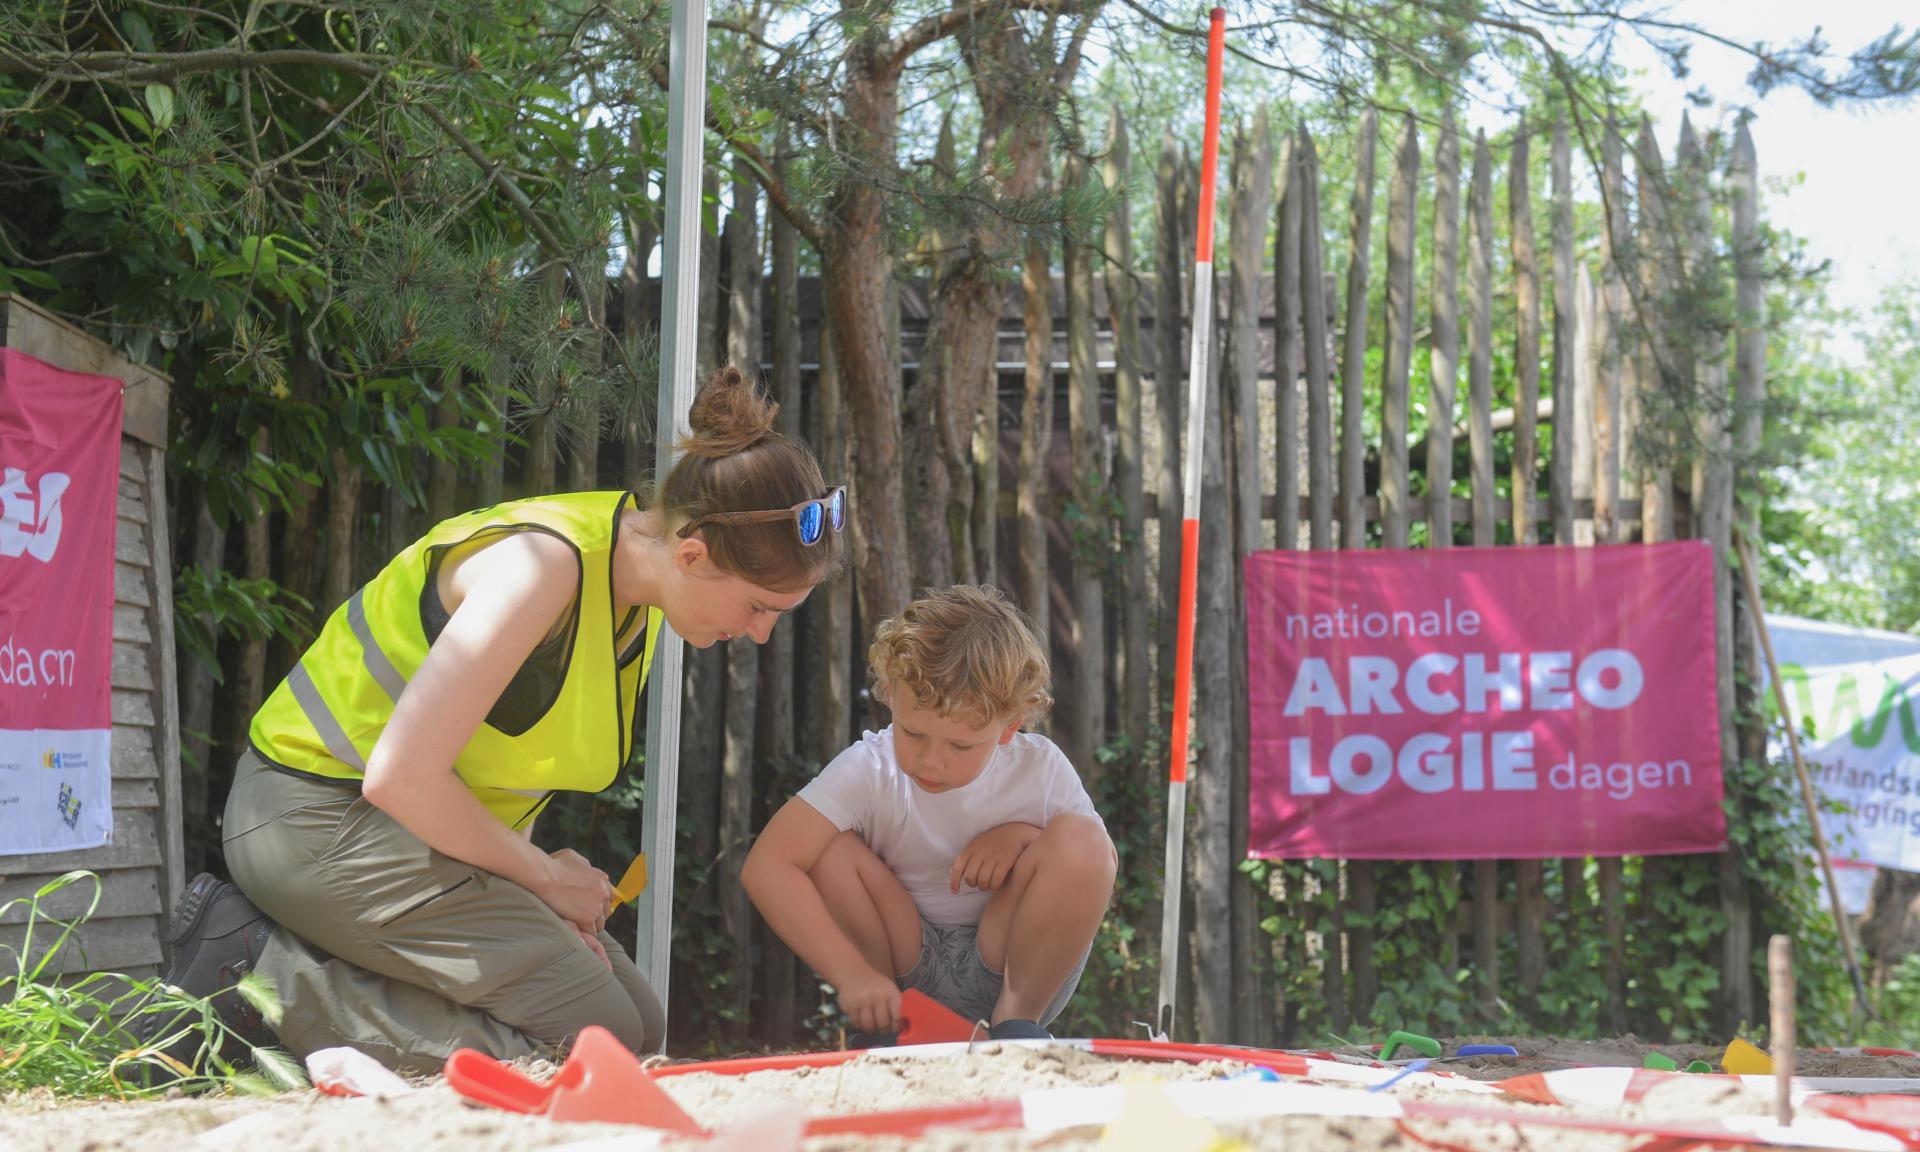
{"x": 951, "y": 852}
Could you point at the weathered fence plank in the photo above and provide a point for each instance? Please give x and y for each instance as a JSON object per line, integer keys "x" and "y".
{"x": 1286, "y": 348}
{"x": 1486, "y": 873}
{"x": 1444, "y": 338}
{"x": 1649, "y": 449}
{"x": 1315, "y": 338}
{"x": 1395, "y": 508}
{"x": 1526, "y": 340}
{"x": 1036, "y": 434}
{"x": 1087, "y": 717}
{"x": 1251, "y": 208}
{"x": 1212, "y": 875}
{"x": 1353, "y": 357}
{"x": 1135, "y": 697}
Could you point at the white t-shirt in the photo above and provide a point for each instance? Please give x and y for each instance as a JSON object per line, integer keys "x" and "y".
{"x": 919, "y": 834}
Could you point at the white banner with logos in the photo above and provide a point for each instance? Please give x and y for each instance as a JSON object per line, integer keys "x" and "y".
{"x": 55, "y": 791}
{"x": 1854, "y": 695}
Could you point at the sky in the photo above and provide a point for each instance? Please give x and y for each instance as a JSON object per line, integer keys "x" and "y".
{"x": 1859, "y": 167}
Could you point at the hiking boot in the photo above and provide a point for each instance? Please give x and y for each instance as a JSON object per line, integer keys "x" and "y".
{"x": 217, "y": 935}
{"x": 1018, "y": 1030}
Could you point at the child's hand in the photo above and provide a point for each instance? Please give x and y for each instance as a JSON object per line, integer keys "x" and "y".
{"x": 988, "y": 861}
{"x": 871, "y": 1001}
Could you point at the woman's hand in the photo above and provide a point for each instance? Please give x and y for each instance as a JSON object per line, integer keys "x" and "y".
{"x": 871, "y": 1001}
{"x": 592, "y": 941}
{"x": 579, "y": 892}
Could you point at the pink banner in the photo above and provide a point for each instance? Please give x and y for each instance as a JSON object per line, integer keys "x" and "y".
{"x": 1480, "y": 703}
{"x": 59, "y": 491}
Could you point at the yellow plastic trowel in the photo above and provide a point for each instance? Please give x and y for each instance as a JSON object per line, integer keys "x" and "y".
{"x": 632, "y": 883}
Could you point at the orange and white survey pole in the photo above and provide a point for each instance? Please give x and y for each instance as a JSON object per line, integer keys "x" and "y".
{"x": 1174, "y": 873}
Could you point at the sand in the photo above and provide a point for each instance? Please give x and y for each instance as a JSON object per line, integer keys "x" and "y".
{"x": 436, "y": 1119}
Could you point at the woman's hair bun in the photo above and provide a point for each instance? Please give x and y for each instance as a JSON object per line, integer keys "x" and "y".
{"x": 729, "y": 416}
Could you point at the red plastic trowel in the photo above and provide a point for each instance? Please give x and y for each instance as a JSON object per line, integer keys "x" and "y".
{"x": 924, "y": 1020}
{"x": 601, "y": 1082}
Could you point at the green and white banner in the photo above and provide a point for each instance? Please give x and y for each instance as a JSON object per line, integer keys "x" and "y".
{"x": 1854, "y": 694}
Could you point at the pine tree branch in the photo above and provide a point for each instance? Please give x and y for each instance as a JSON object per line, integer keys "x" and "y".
{"x": 136, "y": 66}
{"x": 931, "y": 29}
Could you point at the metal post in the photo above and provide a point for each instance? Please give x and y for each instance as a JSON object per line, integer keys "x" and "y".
{"x": 679, "y": 354}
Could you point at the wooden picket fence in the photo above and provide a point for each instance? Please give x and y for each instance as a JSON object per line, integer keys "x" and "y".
{"x": 1596, "y": 371}
{"x": 1642, "y": 405}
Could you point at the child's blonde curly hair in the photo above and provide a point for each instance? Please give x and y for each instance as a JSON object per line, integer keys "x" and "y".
{"x": 966, "y": 652}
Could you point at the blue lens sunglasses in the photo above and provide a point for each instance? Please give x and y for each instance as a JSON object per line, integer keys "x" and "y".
{"x": 811, "y": 518}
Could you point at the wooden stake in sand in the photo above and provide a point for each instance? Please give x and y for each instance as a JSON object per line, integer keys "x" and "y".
{"x": 1780, "y": 994}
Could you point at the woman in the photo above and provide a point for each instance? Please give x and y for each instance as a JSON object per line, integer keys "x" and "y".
{"x": 379, "y": 824}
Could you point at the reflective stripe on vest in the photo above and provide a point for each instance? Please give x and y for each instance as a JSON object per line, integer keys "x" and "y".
{"x": 322, "y": 719}
{"x": 378, "y": 666}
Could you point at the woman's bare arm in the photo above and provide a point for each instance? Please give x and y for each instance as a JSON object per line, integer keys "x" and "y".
{"x": 508, "y": 597}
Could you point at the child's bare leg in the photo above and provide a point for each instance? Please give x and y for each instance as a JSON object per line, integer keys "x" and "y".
{"x": 869, "y": 904}
{"x": 1036, "y": 928}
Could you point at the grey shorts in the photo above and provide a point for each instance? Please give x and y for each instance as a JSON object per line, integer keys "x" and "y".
{"x": 951, "y": 971}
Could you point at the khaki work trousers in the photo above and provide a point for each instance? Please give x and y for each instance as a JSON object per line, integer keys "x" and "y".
{"x": 384, "y": 945}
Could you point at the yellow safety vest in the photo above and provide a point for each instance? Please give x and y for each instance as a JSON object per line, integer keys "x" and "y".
{"x": 325, "y": 717}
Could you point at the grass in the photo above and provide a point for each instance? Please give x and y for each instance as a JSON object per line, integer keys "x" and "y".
{"x": 76, "y": 1039}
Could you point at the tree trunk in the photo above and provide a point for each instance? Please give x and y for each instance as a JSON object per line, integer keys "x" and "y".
{"x": 1169, "y": 378}
{"x": 1135, "y": 692}
{"x": 1036, "y": 437}
{"x": 859, "y": 268}
{"x": 1016, "y": 87}
{"x": 1092, "y": 545}
{"x": 986, "y": 480}
{"x": 1890, "y": 931}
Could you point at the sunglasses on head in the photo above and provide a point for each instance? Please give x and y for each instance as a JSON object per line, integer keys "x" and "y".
{"x": 811, "y": 518}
